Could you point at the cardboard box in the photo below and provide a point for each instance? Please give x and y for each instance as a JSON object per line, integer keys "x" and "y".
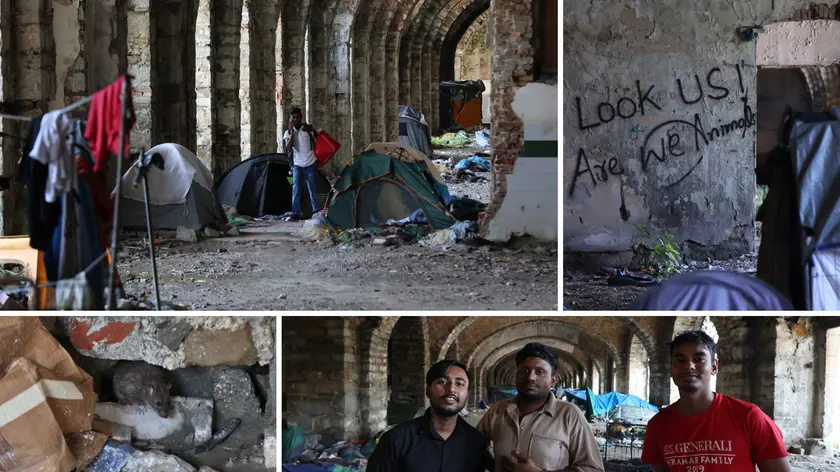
{"x": 31, "y": 439}
{"x": 68, "y": 389}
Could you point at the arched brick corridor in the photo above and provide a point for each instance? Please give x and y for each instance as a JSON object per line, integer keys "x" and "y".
{"x": 336, "y": 370}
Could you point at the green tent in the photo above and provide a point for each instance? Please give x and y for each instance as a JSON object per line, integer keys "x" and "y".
{"x": 378, "y": 187}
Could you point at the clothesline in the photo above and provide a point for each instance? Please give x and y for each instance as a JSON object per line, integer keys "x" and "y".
{"x": 66, "y": 109}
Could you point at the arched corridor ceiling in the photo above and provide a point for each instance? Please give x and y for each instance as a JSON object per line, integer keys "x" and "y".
{"x": 600, "y": 334}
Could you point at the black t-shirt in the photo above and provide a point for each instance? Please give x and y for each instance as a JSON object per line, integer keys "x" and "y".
{"x": 415, "y": 446}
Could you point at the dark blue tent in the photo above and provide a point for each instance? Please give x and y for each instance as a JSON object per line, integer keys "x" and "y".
{"x": 711, "y": 291}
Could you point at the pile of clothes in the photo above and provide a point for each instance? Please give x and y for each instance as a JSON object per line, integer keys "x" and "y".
{"x": 465, "y": 170}
{"x": 306, "y": 454}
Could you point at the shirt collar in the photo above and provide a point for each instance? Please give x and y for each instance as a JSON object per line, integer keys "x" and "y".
{"x": 549, "y": 408}
{"x": 429, "y": 428}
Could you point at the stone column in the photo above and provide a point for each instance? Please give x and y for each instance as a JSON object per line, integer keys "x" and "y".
{"x": 204, "y": 84}
{"x": 245, "y": 83}
{"x": 362, "y": 85}
{"x": 173, "y": 71}
{"x": 426, "y": 83}
{"x": 393, "y": 86}
{"x": 405, "y": 71}
{"x": 416, "y": 83}
{"x": 319, "y": 72}
{"x": 138, "y": 26}
{"x": 378, "y": 79}
{"x": 339, "y": 92}
{"x": 294, "y": 34}
{"x": 226, "y": 24}
{"x": 263, "y": 26}
{"x": 434, "y": 94}
{"x": 28, "y": 53}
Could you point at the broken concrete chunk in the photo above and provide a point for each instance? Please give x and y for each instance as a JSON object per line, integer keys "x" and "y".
{"x": 171, "y": 333}
{"x": 234, "y": 231}
{"x": 206, "y": 469}
{"x": 189, "y": 422}
{"x": 212, "y": 233}
{"x": 212, "y": 348}
{"x": 186, "y": 235}
{"x": 141, "y": 461}
{"x": 234, "y": 397}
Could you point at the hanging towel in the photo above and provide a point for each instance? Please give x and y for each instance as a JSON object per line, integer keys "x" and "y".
{"x": 103, "y": 126}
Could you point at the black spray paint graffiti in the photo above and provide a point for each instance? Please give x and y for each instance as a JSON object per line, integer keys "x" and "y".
{"x": 674, "y": 137}
{"x": 602, "y": 170}
{"x": 669, "y": 136}
{"x": 624, "y": 108}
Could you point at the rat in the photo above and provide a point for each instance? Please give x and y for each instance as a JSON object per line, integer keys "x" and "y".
{"x": 138, "y": 383}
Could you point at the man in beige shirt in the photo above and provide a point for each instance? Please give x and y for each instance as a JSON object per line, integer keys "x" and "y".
{"x": 534, "y": 431}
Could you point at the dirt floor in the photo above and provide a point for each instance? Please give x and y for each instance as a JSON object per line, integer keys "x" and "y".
{"x": 269, "y": 268}
{"x": 590, "y": 292}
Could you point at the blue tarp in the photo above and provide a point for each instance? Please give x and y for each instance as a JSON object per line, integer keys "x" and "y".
{"x": 506, "y": 390}
{"x": 604, "y": 404}
{"x": 577, "y": 393}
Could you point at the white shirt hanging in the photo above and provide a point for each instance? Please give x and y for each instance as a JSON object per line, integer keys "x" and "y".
{"x": 51, "y": 149}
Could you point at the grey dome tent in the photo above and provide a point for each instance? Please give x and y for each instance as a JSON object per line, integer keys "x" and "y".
{"x": 414, "y": 130}
{"x": 262, "y": 185}
{"x": 711, "y": 290}
{"x": 179, "y": 195}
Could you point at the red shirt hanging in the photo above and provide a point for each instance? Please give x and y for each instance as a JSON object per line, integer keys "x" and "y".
{"x": 104, "y": 120}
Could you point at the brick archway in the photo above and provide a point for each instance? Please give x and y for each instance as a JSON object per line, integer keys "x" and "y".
{"x": 375, "y": 336}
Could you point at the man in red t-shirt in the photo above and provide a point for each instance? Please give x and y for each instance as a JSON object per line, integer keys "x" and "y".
{"x": 706, "y": 431}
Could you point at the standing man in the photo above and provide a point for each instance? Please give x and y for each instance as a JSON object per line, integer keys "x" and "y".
{"x": 534, "y": 431}
{"x": 299, "y": 141}
{"x": 707, "y": 431}
{"x": 440, "y": 440}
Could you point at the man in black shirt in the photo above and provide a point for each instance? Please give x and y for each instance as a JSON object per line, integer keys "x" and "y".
{"x": 440, "y": 440}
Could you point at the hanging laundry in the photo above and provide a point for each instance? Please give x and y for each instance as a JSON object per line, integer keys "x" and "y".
{"x": 43, "y": 216}
{"x": 104, "y": 121}
{"x": 50, "y": 148}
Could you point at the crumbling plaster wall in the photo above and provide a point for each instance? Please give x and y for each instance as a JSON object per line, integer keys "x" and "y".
{"x": 524, "y": 186}
{"x": 643, "y": 145}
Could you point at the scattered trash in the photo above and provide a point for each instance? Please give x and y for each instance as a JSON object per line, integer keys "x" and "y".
{"x": 462, "y": 231}
{"x": 482, "y": 137}
{"x": 112, "y": 458}
{"x": 476, "y": 161}
{"x": 459, "y": 139}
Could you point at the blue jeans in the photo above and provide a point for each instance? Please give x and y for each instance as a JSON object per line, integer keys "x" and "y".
{"x": 299, "y": 174}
